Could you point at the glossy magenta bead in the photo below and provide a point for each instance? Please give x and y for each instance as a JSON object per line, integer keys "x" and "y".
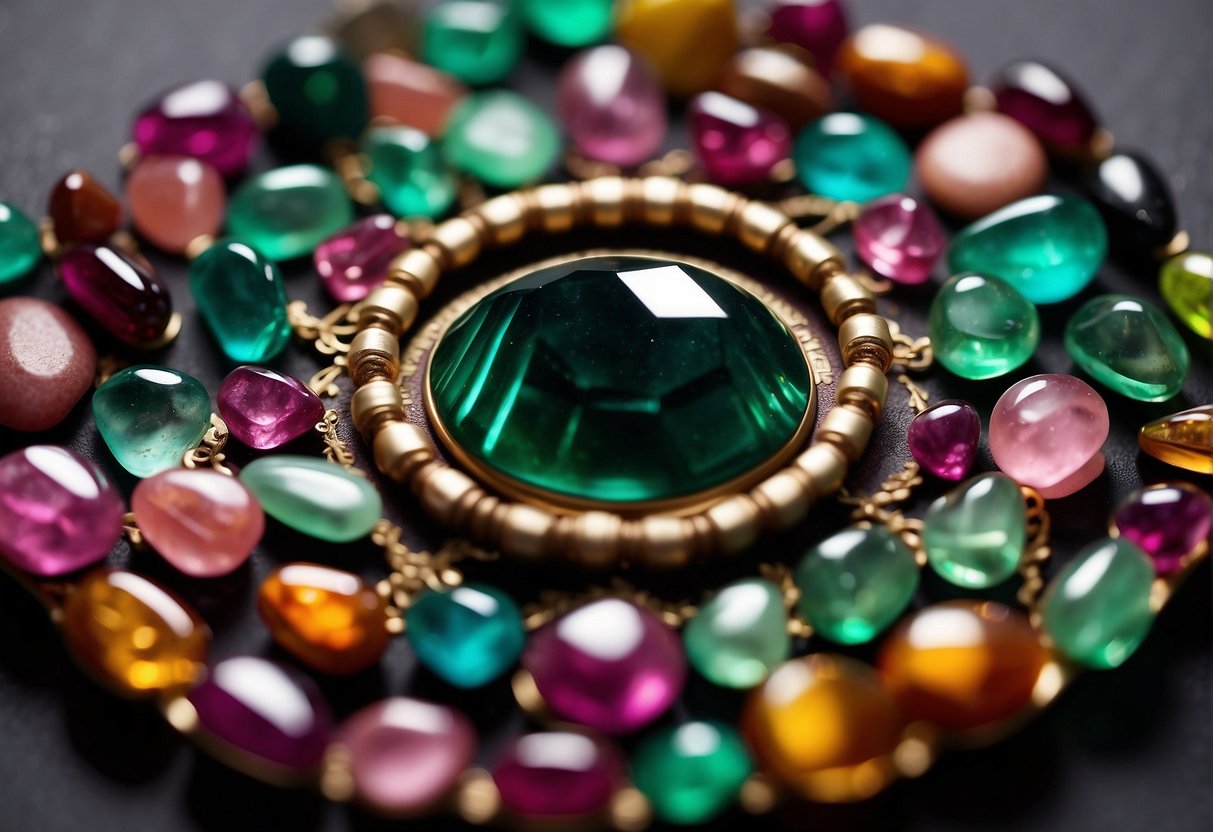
{"x": 203, "y": 119}
{"x": 737, "y": 144}
{"x": 820, "y": 26}
{"x": 558, "y": 773}
{"x": 899, "y": 238}
{"x": 1047, "y": 103}
{"x": 124, "y": 294}
{"x": 265, "y": 409}
{"x": 943, "y": 438}
{"x": 355, "y": 260}
{"x": 1168, "y": 522}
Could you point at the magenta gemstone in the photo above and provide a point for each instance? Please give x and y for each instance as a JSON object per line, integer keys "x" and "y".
{"x": 355, "y": 260}
{"x": 609, "y": 664}
{"x": 124, "y": 294}
{"x": 203, "y": 119}
{"x": 611, "y": 105}
{"x": 58, "y": 512}
{"x": 265, "y": 409}
{"x": 1043, "y": 100}
{"x": 899, "y": 238}
{"x": 820, "y": 26}
{"x": 1168, "y": 521}
{"x": 737, "y": 144}
{"x": 943, "y": 438}
{"x": 558, "y": 773}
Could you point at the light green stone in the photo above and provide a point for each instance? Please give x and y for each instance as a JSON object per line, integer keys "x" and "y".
{"x": 286, "y": 212}
{"x": 1128, "y": 346}
{"x": 975, "y": 534}
{"x": 1185, "y": 282}
{"x": 314, "y": 496}
{"x": 501, "y": 138}
{"x": 692, "y": 772}
{"x": 241, "y": 297}
{"x": 849, "y": 156}
{"x": 150, "y": 416}
{"x": 410, "y": 172}
{"x": 981, "y": 327}
{"x": 20, "y": 249}
{"x": 740, "y": 635}
{"x": 479, "y": 41}
{"x": 568, "y": 22}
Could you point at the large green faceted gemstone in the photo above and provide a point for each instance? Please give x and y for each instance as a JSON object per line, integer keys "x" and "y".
{"x": 1185, "y": 282}
{"x": 314, "y": 496}
{"x": 568, "y": 22}
{"x": 975, "y": 534}
{"x": 1097, "y": 609}
{"x": 619, "y": 379}
{"x": 1048, "y": 247}
{"x": 241, "y": 297}
{"x": 468, "y": 635}
{"x": 479, "y": 41}
{"x": 739, "y": 636}
{"x": 410, "y": 172}
{"x": 286, "y": 212}
{"x": 1128, "y": 346}
{"x": 19, "y": 246}
{"x": 501, "y": 138}
{"x": 692, "y": 772}
{"x": 849, "y": 156}
{"x": 150, "y": 416}
{"x": 981, "y": 327}
{"x": 317, "y": 90}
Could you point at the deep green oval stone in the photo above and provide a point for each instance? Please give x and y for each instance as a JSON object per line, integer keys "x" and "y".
{"x": 1097, "y": 609}
{"x": 692, "y": 772}
{"x": 1186, "y": 281}
{"x": 619, "y": 379}
{"x": 150, "y": 416}
{"x": 479, "y": 41}
{"x": 1128, "y": 346}
{"x": 317, "y": 90}
{"x": 501, "y": 138}
{"x": 409, "y": 170}
{"x": 851, "y": 157}
{"x": 314, "y": 496}
{"x": 975, "y": 534}
{"x": 242, "y": 299}
{"x": 569, "y": 22}
{"x": 981, "y": 327}
{"x": 739, "y": 636}
{"x": 468, "y": 635}
{"x": 20, "y": 249}
{"x": 286, "y": 212}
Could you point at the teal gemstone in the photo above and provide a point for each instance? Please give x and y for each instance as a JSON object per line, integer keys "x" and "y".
{"x": 975, "y": 534}
{"x": 982, "y": 327}
{"x": 1097, "y": 609}
{"x": 479, "y": 41}
{"x": 692, "y": 772}
{"x": 317, "y": 91}
{"x": 314, "y": 496}
{"x": 241, "y": 297}
{"x": 20, "y": 249}
{"x": 410, "y": 172}
{"x": 286, "y": 212}
{"x": 501, "y": 138}
{"x": 569, "y": 22}
{"x": 1048, "y": 247}
{"x": 469, "y": 635}
{"x": 619, "y": 379}
{"x": 1129, "y": 346}
{"x": 150, "y": 416}
{"x": 856, "y": 583}
{"x": 853, "y": 157}
{"x": 739, "y": 636}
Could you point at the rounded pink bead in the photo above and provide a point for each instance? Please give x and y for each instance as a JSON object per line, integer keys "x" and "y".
{"x": 899, "y": 238}
{"x": 202, "y": 522}
{"x": 737, "y": 143}
{"x": 558, "y": 774}
{"x": 174, "y": 200}
{"x": 355, "y": 260}
{"x": 612, "y": 107}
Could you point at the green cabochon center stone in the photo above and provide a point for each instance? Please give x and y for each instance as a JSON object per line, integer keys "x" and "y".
{"x": 620, "y": 379}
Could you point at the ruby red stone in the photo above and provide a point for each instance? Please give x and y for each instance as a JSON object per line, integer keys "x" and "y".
{"x": 122, "y": 293}
{"x": 1168, "y": 522}
{"x": 820, "y": 26}
{"x": 899, "y": 238}
{"x": 174, "y": 200}
{"x": 355, "y": 260}
{"x": 265, "y": 409}
{"x": 205, "y": 120}
{"x": 1047, "y": 103}
{"x": 736, "y": 143}
{"x": 943, "y": 438}
{"x": 47, "y": 363}
{"x": 558, "y": 773}
{"x": 82, "y": 210}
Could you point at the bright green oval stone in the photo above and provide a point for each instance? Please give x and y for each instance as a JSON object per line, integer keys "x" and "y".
{"x": 981, "y": 327}
{"x": 479, "y": 41}
{"x": 856, "y": 583}
{"x": 852, "y": 157}
{"x": 501, "y": 138}
{"x": 1185, "y": 282}
{"x": 620, "y": 379}
{"x": 286, "y": 212}
{"x": 242, "y": 299}
{"x": 975, "y": 534}
{"x": 1048, "y": 247}
{"x": 568, "y": 22}
{"x": 1097, "y": 609}
{"x": 740, "y": 635}
{"x": 314, "y": 496}
{"x": 410, "y": 172}
{"x": 19, "y": 246}
{"x": 317, "y": 90}
{"x": 150, "y": 416}
{"x": 1128, "y": 346}
{"x": 469, "y": 635}
{"x": 692, "y": 772}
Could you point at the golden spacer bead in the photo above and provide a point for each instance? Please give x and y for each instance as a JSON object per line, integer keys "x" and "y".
{"x": 758, "y": 224}
{"x": 374, "y": 354}
{"x": 376, "y": 402}
{"x": 525, "y": 528}
{"x": 504, "y": 218}
{"x": 843, "y": 296}
{"x": 605, "y": 196}
{"x": 784, "y": 498}
{"x": 444, "y": 490}
{"x": 591, "y": 537}
{"x": 807, "y": 257}
{"x": 556, "y": 207}
{"x": 848, "y": 428}
{"x": 401, "y": 448}
{"x": 661, "y": 197}
{"x": 866, "y": 337}
{"x": 826, "y": 466}
{"x": 392, "y": 307}
{"x": 864, "y": 387}
{"x": 459, "y": 240}
{"x": 711, "y": 207}
{"x": 417, "y": 270}
{"x": 735, "y": 521}
{"x": 664, "y": 541}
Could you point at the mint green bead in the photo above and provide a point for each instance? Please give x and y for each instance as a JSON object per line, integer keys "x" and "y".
{"x": 468, "y": 635}
{"x": 848, "y": 156}
{"x": 286, "y": 212}
{"x": 241, "y": 297}
{"x": 740, "y": 635}
{"x": 975, "y": 534}
{"x": 501, "y": 138}
{"x": 20, "y": 249}
{"x": 408, "y": 168}
{"x": 692, "y": 772}
{"x": 568, "y": 22}
{"x": 982, "y": 327}
{"x": 479, "y": 41}
{"x": 150, "y": 416}
{"x": 314, "y": 496}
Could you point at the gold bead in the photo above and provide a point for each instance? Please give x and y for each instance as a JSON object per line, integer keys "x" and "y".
{"x": 391, "y": 306}
{"x": 784, "y": 498}
{"x": 556, "y": 207}
{"x": 374, "y": 403}
{"x": 825, "y": 465}
{"x": 446, "y": 492}
{"x": 663, "y": 541}
{"x": 504, "y": 218}
{"x": 843, "y": 296}
{"x": 417, "y": 269}
{"x": 735, "y": 523}
{"x": 807, "y": 256}
{"x": 661, "y": 197}
{"x": 591, "y": 537}
{"x": 374, "y": 354}
{"x": 711, "y": 207}
{"x": 524, "y": 530}
{"x": 400, "y": 449}
{"x": 848, "y": 428}
{"x": 605, "y": 196}
{"x": 758, "y": 224}
{"x": 863, "y": 387}
{"x": 459, "y": 240}
{"x": 866, "y": 337}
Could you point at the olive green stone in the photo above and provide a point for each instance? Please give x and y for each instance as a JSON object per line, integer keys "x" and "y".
{"x": 479, "y": 41}
{"x": 286, "y": 212}
{"x": 501, "y": 138}
{"x": 241, "y": 297}
{"x": 314, "y": 496}
{"x": 975, "y": 534}
{"x": 317, "y": 91}
{"x": 19, "y": 246}
{"x": 740, "y": 635}
{"x": 692, "y": 772}
{"x": 410, "y": 172}
{"x": 1185, "y": 282}
{"x": 568, "y": 22}
{"x": 981, "y": 327}
{"x": 150, "y": 416}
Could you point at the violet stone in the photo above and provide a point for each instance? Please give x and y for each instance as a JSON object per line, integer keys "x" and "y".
{"x": 820, "y": 26}
{"x": 355, "y": 260}
{"x": 899, "y": 238}
{"x": 1047, "y": 103}
{"x": 558, "y": 773}
{"x": 737, "y": 143}
{"x": 265, "y": 409}
{"x": 943, "y": 438}
{"x": 203, "y": 119}
{"x": 122, "y": 293}
{"x": 1168, "y": 522}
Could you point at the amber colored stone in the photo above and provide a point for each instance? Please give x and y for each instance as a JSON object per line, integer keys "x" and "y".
{"x": 406, "y": 92}
{"x": 47, "y": 363}
{"x": 686, "y": 41}
{"x": 174, "y": 200}
{"x": 364, "y": 27}
{"x": 781, "y": 80}
{"x": 330, "y": 619}
{"x": 82, "y": 210}
{"x": 1183, "y": 439}
{"x": 133, "y": 634}
{"x": 907, "y": 78}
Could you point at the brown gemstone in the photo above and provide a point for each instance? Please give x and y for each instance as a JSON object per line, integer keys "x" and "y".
{"x": 82, "y": 210}
{"x": 779, "y": 80}
{"x": 46, "y": 364}
{"x": 174, "y": 200}
{"x": 369, "y": 26}
{"x": 410, "y": 93}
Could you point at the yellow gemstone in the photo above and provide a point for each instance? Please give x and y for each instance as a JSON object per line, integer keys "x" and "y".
{"x": 1184, "y": 439}
{"x": 686, "y": 41}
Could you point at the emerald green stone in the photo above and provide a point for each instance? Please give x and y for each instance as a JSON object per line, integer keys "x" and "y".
{"x": 314, "y": 496}
{"x": 848, "y": 156}
{"x": 975, "y": 534}
{"x": 619, "y": 379}
{"x": 150, "y": 416}
{"x": 410, "y": 172}
{"x": 856, "y": 583}
{"x": 692, "y": 772}
{"x": 1048, "y": 247}
{"x": 241, "y": 297}
{"x": 1185, "y": 282}
{"x": 981, "y": 327}
{"x": 317, "y": 90}
{"x": 1097, "y": 609}
{"x": 569, "y": 22}
{"x": 1128, "y": 346}
{"x": 469, "y": 635}
{"x": 19, "y": 246}
{"x": 740, "y": 635}
{"x": 286, "y": 212}
{"x": 479, "y": 41}
{"x": 501, "y": 138}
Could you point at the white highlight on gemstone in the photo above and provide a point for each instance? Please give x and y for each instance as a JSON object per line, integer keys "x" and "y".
{"x": 669, "y": 292}
{"x": 608, "y": 630}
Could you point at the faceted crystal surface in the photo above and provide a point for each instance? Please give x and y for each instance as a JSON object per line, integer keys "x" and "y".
{"x": 943, "y": 438}
{"x": 19, "y": 246}
{"x": 241, "y": 297}
{"x": 205, "y": 120}
{"x": 1168, "y": 521}
{"x": 150, "y": 416}
{"x": 47, "y": 363}
{"x": 851, "y": 156}
{"x": 611, "y": 105}
{"x": 692, "y": 772}
{"x": 740, "y": 635}
{"x": 1185, "y": 282}
{"x": 981, "y": 327}
{"x": 265, "y": 409}
{"x": 409, "y": 170}
{"x": 468, "y": 635}
{"x": 899, "y": 238}
{"x": 285, "y": 212}
{"x": 975, "y": 534}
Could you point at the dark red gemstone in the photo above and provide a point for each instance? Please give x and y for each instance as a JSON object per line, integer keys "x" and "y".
{"x": 82, "y": 210}
{"x": 122, "y": 293}
{"x": 1047, "y": 103}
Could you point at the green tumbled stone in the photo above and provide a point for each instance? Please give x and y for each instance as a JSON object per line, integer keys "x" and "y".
{"x": 469, "y": 635}
{"x": 1048, "y": 247}
{"x": 410, "y": 172}
{"x": 150, "y": 416}
{"x": 692, "y": 772}
{"x": 479, "y": 41}
{"x": 19, "y": 245}
{"x": 501, "y": 138}
{"x": 569, "y": 22}
{"x": 317, "y": 91}
{"x": 242, "y": 299}
{"x": 314, "y": 496}
{"x": 1185, "y": 282}
{"x": 620, "y": 379}
{"x": 286, "y": 212}
{"x": 1097, "y": 609}
{"x": 1128, "y": 346}
{"x": 740, "y": 635}
{"x": 852, "y": 157}
{"x": 981, "y": 327}
{"x": 856, "y": 583}
{"x": 975, "y": 534}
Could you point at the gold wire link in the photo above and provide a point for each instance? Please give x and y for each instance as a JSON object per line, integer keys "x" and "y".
{"x": 329, "y": 335}
{"x": 914, "y": 354}
{"x": 130, "y": 528}
{"x": 1038, "y": 551}
{"x": 324, "y": 381}
{"x": 677, "y": 163}
{"x": 335, "y": 450}
{"x": 555, "y": 603}
{"x": 781, "y": 575}
{"x": 412, "y": 572}
{"x": 209, "y": 452}
{"x": 107, "y": 365}
{"x": 876, "y": 508}
{"x": 919, "y": 398}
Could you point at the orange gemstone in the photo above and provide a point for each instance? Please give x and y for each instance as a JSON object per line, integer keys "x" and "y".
{"x": 133, "y": 634}
{"x": 907, "y": 78}
{"x": 330, "y": 619}
{"x": 410, "y": 93}
{"x": 780, "y": 80}
{"x": 82, "y": 210}
{"x": 963, "y": 664}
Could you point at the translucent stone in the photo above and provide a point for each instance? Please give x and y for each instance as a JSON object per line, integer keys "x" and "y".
{"x": 568, "y": 22}
{"x": 779, "y": 80}
{"x": 687, "y": 41}
{"x": 982, "y": 327}
{"x": 1047, "y": 103}
{"x": 1135, "y": 200}
{"x": 501, "y": 138}
{"x": 848, "y": 156}
{"x": 410, "y": 172}
{"x": 558, "y": 774}
{"x": 266, "y": 409}
{"x": 241, "y": 296}
{"x": 314, "y": 496}
{"x": 82, "y": 210}
{"x": 468, "y": 635}
{"x": 943, "y": 438}
{"x": 205, "y": 120}
{"x": 150, "y": 416}
{"x": 1184, "y": 282}
{"x": 317, "y": 91}
{"x": 1184, "y": 439}
{"x": 47, "y": 363}
{"x": 1129, "y": 346}
{"x": 478, "y": 41}
{"x": 1168, "y": 521}
{"x": 818, "y": 26}
{"x": 739, "y": 635}
{"x": 899, "y": 238}
{"x": 285, "y": 212}
{"x": 407, "y": 92}
{"x": 736, "y": 143}
{"x": 121, "y": 292}
{"x": 975, "y": 534}
{"x": 356, "y": 260}
{"x": 691, "y": 772}
{"x": 375, "y": 26}
{"x": 20, "y": 249}
{"x": 174, "y": 200}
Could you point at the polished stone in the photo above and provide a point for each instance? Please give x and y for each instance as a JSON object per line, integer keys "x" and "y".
{"x": 1184, "y": 439}
{"x": 1168, "y": 521}
{"x": 1047, "y": 103}
{"x": 899, "y": 238}
{"x": 477, "y": 41}
{"x": 850, "y": 156}
{"x": 558, "y": 774}
{"x": 943, "y": 438}
{"x": 47, "y": 363}
{"x": 314, "y": 496}
{"x": 241, "y": 296}
{"x": 284, "y": 213}
{"x": 356, "y": 259}
{"x": 468, "y": 635}
{"x": 1128, "y": 346}
{"x": 404, "y": 91}
{"x": 611, "y": 105}
{"x": 687, "y": 41}
{"x": 817, "y": 26}
{"x": 975, "y": 534}
{"x": 569, "y": 23}
{"x": 317, "y": 91}
{"x": 266, "y": 409}
{"x": 174, "y": 200}
{"x": 150, "y": 416}
{"x": 1184, "y": 282}
{"x": 779, "y": 80}
{"x": 692, "y": 772}
{"x": 501, "y": 138}
{"x": 82, "y": 210}
{"x": 20, "y": 249}
{"x": 1135, "y": 200}
{"x": 736, "y": 143}
{"x": 205, "y": 120}
{"x": 982, "y": 327}
{"x": 409, "y": 171}
{"x": 120, "y": 291}
{"x": 739, "y": 635}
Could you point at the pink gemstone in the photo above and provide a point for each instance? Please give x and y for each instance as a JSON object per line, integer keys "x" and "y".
{"x": 355, "y": 260}
{"x": 943, "y": 438}
{"x": 1046, "y": 432}
{"x": 57, "y": 510}
{"x": 737, "y": 144}
{"x": 47, "y": 363}
{"x": 609, "y": 664}
{"x": 558, "y": 773}
{"x": 205, "y": 120}
{"x": 265, "y": 409}
{"x": 202, "y": 522}
{"x": 899, "y": 238}
{"x": 402, "y": 91}
{"x": 121, "y": 292}
{"x": 1043, "y": 100}
{"x": 1169, "y": 521}
{"x": 406, "y": 754}
{"x": 175, "y": 199}
{"x": 611, "y": 105}
{"x": 820, "y": 26}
